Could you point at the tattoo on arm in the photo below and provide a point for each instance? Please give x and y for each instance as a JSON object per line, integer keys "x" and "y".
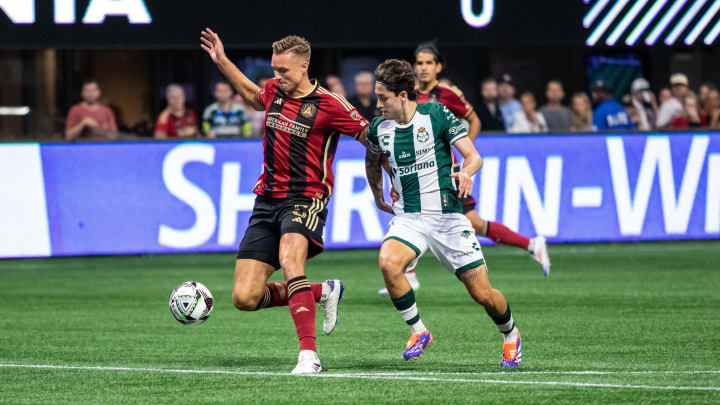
{"x": 373, "y": 171}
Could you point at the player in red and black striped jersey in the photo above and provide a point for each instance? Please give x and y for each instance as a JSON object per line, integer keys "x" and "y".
{"x": 300, "y": 165}
{"x": 428, "y": 65}
{"x": 302, "y": 125}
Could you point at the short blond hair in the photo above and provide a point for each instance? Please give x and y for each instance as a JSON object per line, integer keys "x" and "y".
{"x": 292, "y": 43}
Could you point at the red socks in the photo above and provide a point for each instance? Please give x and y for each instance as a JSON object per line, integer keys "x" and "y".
{"x": 503, "y": 235}
{"x": 301, "y": 297}
{"x": 302, "y": 310}
{"x": 276, "y": 295}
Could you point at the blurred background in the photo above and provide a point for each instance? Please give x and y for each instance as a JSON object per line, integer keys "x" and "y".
{"x": 134, "y": 49}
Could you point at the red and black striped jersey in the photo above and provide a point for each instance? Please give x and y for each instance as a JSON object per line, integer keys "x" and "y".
{"x": 301, "y": 136}
{"x": 450, "y": 98}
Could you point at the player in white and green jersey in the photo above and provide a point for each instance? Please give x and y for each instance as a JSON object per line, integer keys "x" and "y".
{"x": 416, "y": 141}
{"x": 421, "y": 158}
{"x": 428, "y": 65}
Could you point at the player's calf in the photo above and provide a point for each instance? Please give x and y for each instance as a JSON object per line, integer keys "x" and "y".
{"x": 497, "y": 308}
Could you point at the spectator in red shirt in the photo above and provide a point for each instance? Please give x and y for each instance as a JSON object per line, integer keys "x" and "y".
{"x": 176, "y": 121}
{"x": 691, "y": 113}
{"x": 90, "y": 118}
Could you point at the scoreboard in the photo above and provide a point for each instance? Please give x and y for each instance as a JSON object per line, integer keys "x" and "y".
{"x": 252, "y": 23}
{"x": 367, "y": 23}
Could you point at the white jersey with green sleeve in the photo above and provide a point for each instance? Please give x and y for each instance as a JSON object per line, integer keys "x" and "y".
{"x": 420, "y": 157}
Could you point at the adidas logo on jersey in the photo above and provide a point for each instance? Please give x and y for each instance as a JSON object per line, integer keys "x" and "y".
{"x": 404, "y": 155}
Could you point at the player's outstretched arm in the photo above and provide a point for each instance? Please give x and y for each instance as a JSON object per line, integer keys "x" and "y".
{"x": 471, "y": 165}
{"x": 373, "y": 171}
{"x": 211, "y": 43}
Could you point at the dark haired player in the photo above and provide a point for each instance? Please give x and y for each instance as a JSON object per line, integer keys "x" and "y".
{"x": 428, "y": 65}
{"x": 417, "y": 140}
{"x": 302, "y": 125}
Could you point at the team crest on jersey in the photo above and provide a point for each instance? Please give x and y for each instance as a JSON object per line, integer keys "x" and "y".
{"x": 385, "y": 140}
{"x": 354, "y": 115}
{"x": 422, "y": 135}
{"x": 308, "y": 110}
{"x": 433, "y": 98}
{"x": 465, "y": 234}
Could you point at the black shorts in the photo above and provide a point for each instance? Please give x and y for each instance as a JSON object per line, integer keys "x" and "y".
{"x": 274, "y": 217}
{"x": 468, "y": 203}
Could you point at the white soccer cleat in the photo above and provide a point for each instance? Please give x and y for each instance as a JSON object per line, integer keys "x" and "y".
{"x": 540, "y": 253}
{"x": 412, "y": 279}
{"x": 308, "y": 363}
{"x": 332, "y": 294}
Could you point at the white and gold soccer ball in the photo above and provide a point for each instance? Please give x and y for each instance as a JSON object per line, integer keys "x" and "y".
{"x": 191, "y": 302}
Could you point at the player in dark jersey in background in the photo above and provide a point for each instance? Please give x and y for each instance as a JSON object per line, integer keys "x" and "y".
{"x": 428, "y": 65}
{"x": 302, "y": 125}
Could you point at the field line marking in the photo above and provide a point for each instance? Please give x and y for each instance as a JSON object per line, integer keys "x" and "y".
{"x": 586, "y": 372}
{"x": 366, "y": 376}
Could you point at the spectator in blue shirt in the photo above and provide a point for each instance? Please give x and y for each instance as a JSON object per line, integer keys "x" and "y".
{"x": 225, "y": 117}
{"x": 509, "y": 105}
{"x": 609, "y": 114}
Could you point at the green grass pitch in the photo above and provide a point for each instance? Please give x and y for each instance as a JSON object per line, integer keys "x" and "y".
{"x": 614, "y": 323}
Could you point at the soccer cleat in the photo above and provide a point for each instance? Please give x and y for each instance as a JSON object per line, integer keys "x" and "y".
{"x": 416, "y": 344}
{"x": 512, "y": 353}
{"x": 329, "y": 304}
{"x": 308, "y": 363}
{"x": 540, "y": 253}
{"x": 412, "y": 279}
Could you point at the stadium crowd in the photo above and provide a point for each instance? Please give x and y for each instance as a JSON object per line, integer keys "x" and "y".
{"x": 502, "y": 109}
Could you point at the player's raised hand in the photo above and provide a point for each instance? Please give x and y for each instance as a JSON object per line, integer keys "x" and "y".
{"x": 211, "y": 43}
{"x": 465, "y": 183}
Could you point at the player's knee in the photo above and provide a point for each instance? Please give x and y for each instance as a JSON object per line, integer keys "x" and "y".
{"x": 390, "y": 264}
{"x": 245, "y": 301}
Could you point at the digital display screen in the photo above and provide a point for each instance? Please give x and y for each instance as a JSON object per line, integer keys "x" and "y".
{"x": 656, "y": 22}
{"x": 255, "y": 24}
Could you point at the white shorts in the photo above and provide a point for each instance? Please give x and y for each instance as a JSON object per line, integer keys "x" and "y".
{"x": 450, "y": 237}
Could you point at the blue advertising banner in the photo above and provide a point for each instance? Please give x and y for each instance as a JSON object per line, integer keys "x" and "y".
{"x": 162, "y": 197}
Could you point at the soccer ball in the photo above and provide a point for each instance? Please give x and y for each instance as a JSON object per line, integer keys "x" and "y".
{"x": 191, "y": 302}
